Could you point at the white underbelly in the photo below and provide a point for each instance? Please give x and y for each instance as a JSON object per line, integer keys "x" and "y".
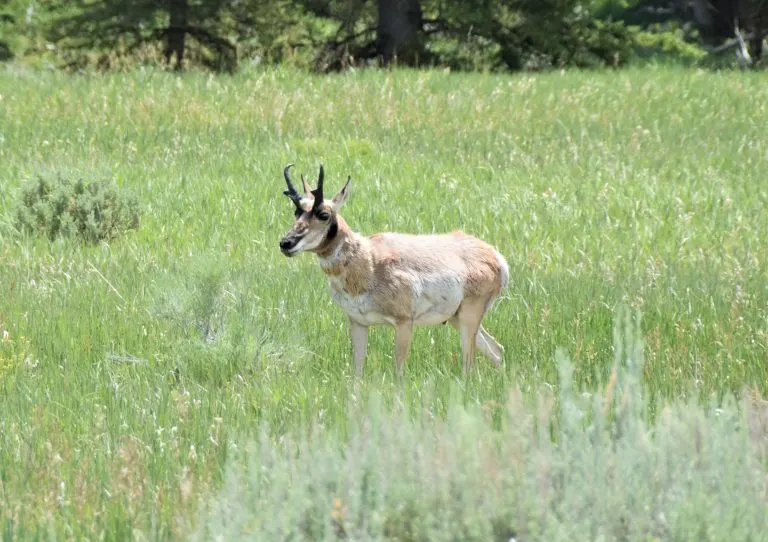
{"x": 436, "y": 300}
{"x": 361, "y": 309}
{"x": 433, "y": 301}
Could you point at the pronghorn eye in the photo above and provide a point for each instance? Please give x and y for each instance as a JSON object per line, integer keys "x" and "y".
{"x": 322, "y": 215}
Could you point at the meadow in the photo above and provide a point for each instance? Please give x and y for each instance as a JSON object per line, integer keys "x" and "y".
{"x": 187, "y": 379}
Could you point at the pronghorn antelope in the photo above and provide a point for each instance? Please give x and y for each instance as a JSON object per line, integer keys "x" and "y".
{"x": 396, "y": 279}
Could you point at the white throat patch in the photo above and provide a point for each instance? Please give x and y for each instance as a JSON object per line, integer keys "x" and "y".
{"x": 334, "y": 258}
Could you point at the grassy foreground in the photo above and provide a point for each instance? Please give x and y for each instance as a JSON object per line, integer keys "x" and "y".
{"x": 590, "y": 468}
{"x": 135, "y": 376}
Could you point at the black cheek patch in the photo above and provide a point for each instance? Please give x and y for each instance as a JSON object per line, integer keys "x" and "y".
{"x": 333, "y": 230}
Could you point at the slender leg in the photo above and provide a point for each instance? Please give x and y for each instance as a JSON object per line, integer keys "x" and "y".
{"x": 359, "y": 335}
{"x": 470, "y": 315}
{"x": 403, "y": 334}
{"x": 489, "y": 347}
{"x": 484, "y": 342}
{"x": 467, "y": 347}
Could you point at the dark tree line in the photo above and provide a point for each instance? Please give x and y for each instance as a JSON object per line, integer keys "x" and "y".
{"x": 129, "y": 25}
{"x": 719, "y": 23}
{"x": 720, "y": 19}
{"x": 335, "y": 34}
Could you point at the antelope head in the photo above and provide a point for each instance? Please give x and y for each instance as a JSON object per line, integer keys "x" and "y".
{"x": 317, "y": 219}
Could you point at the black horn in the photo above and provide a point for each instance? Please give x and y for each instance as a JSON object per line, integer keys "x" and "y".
{"x": 291, "y": 192}
{"x": 318, "y": 192}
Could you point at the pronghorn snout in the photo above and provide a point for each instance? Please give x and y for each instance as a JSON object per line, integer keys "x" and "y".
{"x": 287, "y": 244}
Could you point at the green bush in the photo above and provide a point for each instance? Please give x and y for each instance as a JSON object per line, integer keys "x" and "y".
{"x": 93, "y": 211}
{"x": 670, "y": 42}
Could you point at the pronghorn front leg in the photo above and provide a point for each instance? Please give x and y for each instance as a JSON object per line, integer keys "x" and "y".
{"x": 403, "y": 334}
{"x": 359, "y": 335}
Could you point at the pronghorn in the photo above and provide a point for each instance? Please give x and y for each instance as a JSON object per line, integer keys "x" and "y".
{"x": 395, "y": 279}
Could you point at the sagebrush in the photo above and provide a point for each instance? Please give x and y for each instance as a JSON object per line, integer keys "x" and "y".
{"x": 55, "y": 206}
{"x": 568, "y": 467}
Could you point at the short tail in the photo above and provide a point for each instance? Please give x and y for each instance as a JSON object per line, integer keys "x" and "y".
{"x": 504, "y": 270}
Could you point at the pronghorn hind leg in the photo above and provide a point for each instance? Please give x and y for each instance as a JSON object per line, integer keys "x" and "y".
{"x": 403, "y": 334}
{"x": 467, "y": 321}
{"x": 489, "y": 346}
{"x": 484, "y": 341}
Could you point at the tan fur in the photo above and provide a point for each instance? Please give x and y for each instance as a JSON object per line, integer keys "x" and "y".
{"x": 404, "y": 280}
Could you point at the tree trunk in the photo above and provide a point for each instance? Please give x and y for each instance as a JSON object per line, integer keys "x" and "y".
{"x": 398, "y": 34}
{"x": 756, "y": 46}
{"x": 177, "y": 32}
{"x": 756, "y": 14}
{"x": 715, "y": 18}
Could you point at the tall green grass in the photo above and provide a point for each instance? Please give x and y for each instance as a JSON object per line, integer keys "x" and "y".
{"x": 572, "y": 467}
{"x": 132, "y": 372}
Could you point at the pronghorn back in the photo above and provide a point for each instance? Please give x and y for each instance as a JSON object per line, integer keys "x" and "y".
{"x": 480, "y": 268}
{"x": 391, "y": 277}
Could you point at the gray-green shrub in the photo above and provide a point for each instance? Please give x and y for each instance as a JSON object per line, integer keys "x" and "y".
{"x": 591, "y": 468}
{"x": 93, "y": 211}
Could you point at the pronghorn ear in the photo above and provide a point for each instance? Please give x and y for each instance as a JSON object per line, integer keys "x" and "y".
{"x": 341, "y": 196}
{"x": 307, "y": 189}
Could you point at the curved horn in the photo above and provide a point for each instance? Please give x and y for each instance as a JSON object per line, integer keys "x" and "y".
{"x": 318, "y": 192}
{"x": 291, "y": 192}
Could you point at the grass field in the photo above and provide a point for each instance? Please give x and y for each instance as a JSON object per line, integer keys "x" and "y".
{"x": 120, "y": 418}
